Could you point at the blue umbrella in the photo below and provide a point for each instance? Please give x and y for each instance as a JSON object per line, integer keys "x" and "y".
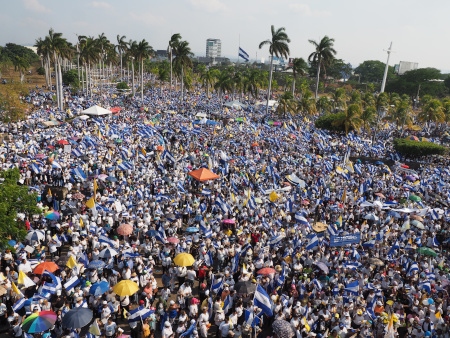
{"x": 99, "y": 288}
{"x": 12, "y": 242}
{"x": 151, "y": 233}
{"x": 192, "y": 229}
{"x": 378, "y": 163}
{"x": 97, "y": 264}
{"x": 111, "y": 179}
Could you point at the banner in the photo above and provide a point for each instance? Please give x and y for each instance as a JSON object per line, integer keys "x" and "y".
{"x": 344, "y": 240}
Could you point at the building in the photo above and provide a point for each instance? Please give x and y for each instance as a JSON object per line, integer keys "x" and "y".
{"x": 213, "y": 61}
{"x": 213, "y": 48}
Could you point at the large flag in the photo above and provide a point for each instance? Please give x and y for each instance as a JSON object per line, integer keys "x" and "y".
{"x": 262, "y": 300}
{"x": 243, "y": 54}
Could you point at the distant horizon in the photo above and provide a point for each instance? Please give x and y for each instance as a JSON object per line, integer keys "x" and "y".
{"x": 416, "y": 29}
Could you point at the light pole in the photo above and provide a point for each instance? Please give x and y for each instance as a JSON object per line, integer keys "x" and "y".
{"x": 383, "y": 84}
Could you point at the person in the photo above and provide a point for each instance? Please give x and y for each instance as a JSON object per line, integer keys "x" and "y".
{"x": 167, "y": 330}
{"x": 17, "y": 328}
{"x": 146, "y": 332}
{"x": 110, "y": 328}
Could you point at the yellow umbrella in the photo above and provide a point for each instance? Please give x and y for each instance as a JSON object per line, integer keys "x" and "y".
{"x": 184, "y": 259}
{"x": 125, "y": 288}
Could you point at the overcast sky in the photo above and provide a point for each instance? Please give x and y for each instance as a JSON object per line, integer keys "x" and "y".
{"x": 362, "y": 29}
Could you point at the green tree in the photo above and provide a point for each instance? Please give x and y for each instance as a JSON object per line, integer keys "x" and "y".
{"x": 286, "y": 104}
{"x": 420, "y": 81}
{"x": 71, "y": 78}
{"x": 307, "y": 104}
{"x": 183, "y": 60}
{"x": 372, "y": 71}
{"x": 432, "y": 111}
{"x": 401, "y": 112}
{"x": 209, "y": 79}
{"x": 339, "y": 100}
{"x": 323, "y": 55}
{"x": 143, "y": 51}
{"x": 223, "y": 84}
{"x": 324, "y": 105}
{"x": 299, "y": 67}
{"x": 368, "y": 116}
{"x": 253, "y": 81}
{"x": 122, "y": 47}
{"x": 14, "y": 199}
{"x": 352, "y": 118}
{"x": 171, "y": 50}
{"x": 278, "y": 46}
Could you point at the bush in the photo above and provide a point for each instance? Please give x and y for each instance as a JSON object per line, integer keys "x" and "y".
{"x": 71, "y": 78}
{"x": 331, "y": 122}
{"x": 40, "y": 71}
{"x": 413, "y": 148}
{"x": 122, "y": 85}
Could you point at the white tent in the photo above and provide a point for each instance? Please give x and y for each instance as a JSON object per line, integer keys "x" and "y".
{"x": 235, "y": 105}
{"x": 96, "y": 111}
{"x": 201, "y": 115}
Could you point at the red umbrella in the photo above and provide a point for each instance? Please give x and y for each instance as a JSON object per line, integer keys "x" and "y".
{"x": 405, "y": 166}
{"x": 266, "y": 271}
{"x": 125, "y": 229}
{"x": 173, "y": 240}
{"x": 305, "y": 202}
{"x": 63, "y": 142}
{"x": 49, "y": 266}
{"x": 228, "y": 221}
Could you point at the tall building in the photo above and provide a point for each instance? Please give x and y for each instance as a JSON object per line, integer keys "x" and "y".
{"x": 213, "y": 48}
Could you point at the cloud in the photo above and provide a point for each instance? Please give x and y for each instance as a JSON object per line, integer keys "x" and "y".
{"x": 306, "y": 10}
{"x": 208, "y": 5}
{"x": 147, "y": 18}
{"x": 34, "y": 5}
{"x": 100, "y": 4}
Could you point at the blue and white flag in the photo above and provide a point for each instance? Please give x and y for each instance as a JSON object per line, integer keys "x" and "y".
{"x": 227, "y": 303}
{"x": 106, "y": 240}
{"x": 140, "y": 313}
{"x": 207, "y": 232}
{"x": 281, "y": 278}
{"x": 313, "y": 242}
{"x": 217, "y": 287}
{"x": 189, "y": 331}
{"x": 352, "y": 287}
{"x": 209, "y": 259}
{"x": 426, "y": 286}
{"x": 181, "y": 188}
{"x": 19, "y": 304}
{"x": 262, "y": 300}
{"x": 243, "y": 54}
{"x": 301, "y": 219}
{"x": 412, "y": 268}
{"x": 71, "y": 283}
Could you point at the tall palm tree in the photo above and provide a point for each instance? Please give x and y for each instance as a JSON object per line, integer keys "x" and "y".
{"x": 132, "y": 51}
{"x": 43, "y": 50}
{"x": 401, "y": 112}
{"x": 121, "y": 46}
{"x": 223, "y": 84}
{"x": 299, "y": 67}
{"x": 368, "y": 116}
{"x": 278, "y": 46}
{"x": 143, "y": 51}
{"x": 253, "y": 82}
{"x": 171, "y": 50}
{"x": 21, "y": 64}
{"x": 323, "y": 105}
{"x": 339, "y": 99}
{"x": 287, "y": 104}
{"x": 183, "y": 60}
{"x": 209, "y": 78}
{"x": 432, "y": 111}
{"x": 352, "y": 118}
{"x": 324, "y": 53}
{"x": 307, "y": 104}
{"x": 89, "y": 55}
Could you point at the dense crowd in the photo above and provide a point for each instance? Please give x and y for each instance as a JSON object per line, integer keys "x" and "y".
{"x": 251, "y": 225}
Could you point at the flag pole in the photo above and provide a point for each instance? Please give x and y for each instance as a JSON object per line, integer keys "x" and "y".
{"x": 239, "y": 43}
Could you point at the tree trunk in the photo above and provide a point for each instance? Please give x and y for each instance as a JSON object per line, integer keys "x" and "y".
{"x": 56, "y": 78}
{"x": 142, "y": 81}
{"x": 270, "y": 84}
{"x": 293, "y": 87}
{"x": 317, "y": 78}
{"x": 61, "y": 91}
{"x": 182, "y": 83}
{"x": 132, "y": 71}
{"x": 171, "y": 65}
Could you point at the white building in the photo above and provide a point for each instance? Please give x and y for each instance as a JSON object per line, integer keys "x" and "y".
{"x": 213, "y": 48}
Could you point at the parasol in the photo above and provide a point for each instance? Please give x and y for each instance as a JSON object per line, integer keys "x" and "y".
{"x": 184, "y": 259}
{"x": 125, "y": 229}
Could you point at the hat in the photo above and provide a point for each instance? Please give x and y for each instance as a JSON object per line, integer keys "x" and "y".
{"x": 105, "y": 302}
{"x": 133, "y": 274}
{"x": 141, "y": 302}
{"x": 167, "y": 324}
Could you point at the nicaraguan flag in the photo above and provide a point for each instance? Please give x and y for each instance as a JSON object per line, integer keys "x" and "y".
{"x": 71, "y": 283}
{"x": 262, "y": 300}
{"x": 426, "y": 286}
{"x": 413, "y": 267}
{"x": 207, "y": 233}
{"x": 189, "y": 331}
{"x": 181, "y": 188}
{"x": 140, "y": 313}
{"x": 352, "y": 287}
{"x": 243, "y": 54}
{"x": 275, "y": 240}
{"x": 301, "y": 219}
{"x": 313, "y": 242}
{"x": 281, "y": 278}
{"x": 217, "y": 287}
{"x": 209, "y": 259}
{"x": 235, "y": 263}
{"x": 107, "y": 240}
{"x": 19, "y": 304}
{"x": 369, "y": 244}
{"x": 227, "y": 304}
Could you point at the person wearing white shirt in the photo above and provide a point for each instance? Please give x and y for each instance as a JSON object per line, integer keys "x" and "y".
{"x": 25, "y": 266}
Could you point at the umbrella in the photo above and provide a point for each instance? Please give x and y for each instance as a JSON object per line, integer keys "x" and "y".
{"x": 192, "y": 229}
{"x": 151, "y": 233}
{"x": 77, "y": 318}
{"x": 52, "y": 215}
{"x": 35, "y": 235}
{"x": 417, "y": 224}
{"x": 102, "y": 177}
{"x": 228, "y": 221}
{"x": 319, "y": 227}
{"x": 283, "y": 329}
{"x": 415, "y": 198}
{"x": 39, "y": 322}
{"x": 411, "y": 178}
{"x": 203, "y": 175}
{"x": 427, "y": 251}
{"x": 170, "y": 217}
{"x": 49, "y": 266}
{"x": 63, "y": 142}
{"x": 379, "y": 194}
{"x": 322, "y": 266}
{"x": 40, "y": 156}
{"x": 404, "y": 166}
{"x": 78, "y": 196}
{"x": 245, "y": 287}
{"x": 266, "y": 271}
{"x": 107, "y": 253}
{"x": 62, "y": 261}
{"x": 96, "y": 264}
{"x": 125, "y": 229}
{"x": 184, "y": 259}
{"x": 378, "y": 163}
{"x": 173, "y": 240}
{"x": 99, "y": 288}
{"x": 12, "y": 242}
{"x": 417, "y": 217}
{"x": 125, "y": 287}
{"x": 111, "y": 179}
{"x": 376, "y": 261}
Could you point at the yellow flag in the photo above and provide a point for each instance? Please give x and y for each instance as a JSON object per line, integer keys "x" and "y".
{"x": 438, "y": 315}
{"x": 22, "y": 277}
{"x": 81, "y": 222}
{"x": 305, "y": 324}
{"x": 181, "y": 148}
{"x": 144, "y": 152}
{"x": 273, "y": 196}
{"x": 284, "y": 125}
{"x": 95, "y": 187}
{"x": 344, "y": 196}
{"x": 71, "y": 263}
{"x": 100, "y": 134}
{"x": 233, "y": 198}
{"x": 90, "y": 203}
{"x": 340, "y": 220}
{"x": 125, "y": 314}
{"x": 15, "y": 289}
{"x": 49, "y": 192}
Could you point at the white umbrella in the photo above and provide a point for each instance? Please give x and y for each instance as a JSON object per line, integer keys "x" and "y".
{"x": 371, "y": 217}
{"x": 35, "y": 235}
{"x": 108, "y": 253}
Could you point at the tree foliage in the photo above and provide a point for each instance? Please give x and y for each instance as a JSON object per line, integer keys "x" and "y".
{"x": 12, "y": 107}
{"x": 14, "y": 199}
{"x": 372, "y": 71}
{"x": 71, "y": 78}
{"x": 413, "y": 148}
{"x": 423, "y": 81}
{"x": 333, "y": 122}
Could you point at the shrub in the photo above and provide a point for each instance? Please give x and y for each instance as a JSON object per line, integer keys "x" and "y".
{"x": 71, "y": 78}
{"x": 40, "y": 71}
{"x": 413, "y": 148}
{"x": 331, "y": 122}
{"x": 122, "y": 85}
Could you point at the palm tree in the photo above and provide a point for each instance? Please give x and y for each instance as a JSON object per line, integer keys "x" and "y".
{"x": 143, "y": 51}
{"x": 21, "y": 64}
{"x": 352, "y": 118}
{"x": 401, "y": 112}
{"x": 122, "y": 47}
{"x": 432, "y": 111}
{"x": 339, "y": 99}
{"x": 323, "y": 54}
{"x": 307, "y": 104}
{"x": 88, "y": 56}
{"x": 368, "y": 116}
{"x": 183, "y": 60}
{"x": 208, "y": 78}
{"x": 224, "y": 84}
{"x": 171, "y": 50}
{"x": 278, "y": 46}
{"x": 299, "y": 67}
{"x": 43, "y": 50}
{"x": 253, "y": 81}
{"x": 286, "y": 104}
{"x": 323, "y": 105}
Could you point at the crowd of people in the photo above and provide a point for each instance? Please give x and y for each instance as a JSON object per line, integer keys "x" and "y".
{"x": 237, "y": 228}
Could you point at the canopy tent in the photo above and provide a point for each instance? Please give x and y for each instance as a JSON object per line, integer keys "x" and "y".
{"x": 235, "y": 105}
{"x": 272, "y": 103}
{"x": 200, "y": 115}
{"x": 96, "y": 111}
{"x": 203, "y": 175}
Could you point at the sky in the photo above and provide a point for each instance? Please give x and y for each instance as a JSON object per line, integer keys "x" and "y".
{"x": 362, "y": 29}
